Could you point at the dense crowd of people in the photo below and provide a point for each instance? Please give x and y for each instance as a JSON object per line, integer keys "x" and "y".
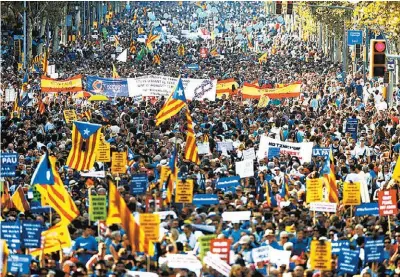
{"x": 328, "y": 99}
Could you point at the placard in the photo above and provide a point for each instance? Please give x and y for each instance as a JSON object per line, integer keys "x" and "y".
{"x": 222, "y": 248}
{"x": 260, "y": 254}
{"x": 236, "y": 216}
{"x": 338, "y": 245}
{"x": 373, "y": 248}
{"x": 205, "y": 244}
{"x": 184, "y": 261}
{"x": 19, "y": 264}
{"x": 31, "y": 234}
{"x": 320, "y": 255}
{"x": 139, "y": 184}
{"x": 323, "y": 207}
{"x": 228, "y": 146}
{"x": 249, "y": 154}
{"x": 205, "y": 199}
{"x": 97, "y": 207}
{"x": 70, "y": 116}
{"x": 11, "y": 232}
{"x": 367, "y": 209}
{"x": 9, "y": 162}
{"x": 348, "y": 260}
{"x": 216, "y": 263}
{"x": 151, "y": 225}
{"x": 119, "y": 162}
{"x": 184, "y": 191}
{"x": 351, "y": 194}
{"x": 228, "y": 183}
{"x": 314, "y": 190}
{"x": 103, "y": 153}
{"x": 203, "y": 148}
{"x": 387, "y": 200}
{"x": 279, "y": 257}
{"x": 245, "y": 168}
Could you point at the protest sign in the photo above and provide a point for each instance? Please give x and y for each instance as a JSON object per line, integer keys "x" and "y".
{"x": 9, "y": 162}
{"x": 184, "y": 191}
{"x": 367, "y": 209}
{"x": 314, "y": 190}
{"x": 216, "y": 263}
{"x": 351, "y": 127}
{"x": 110, "y": 87}
{"x": 203, "y": 148}
{"x": 222, "y": 248}
{"x": 11, "y": 232}
{"x": 249, "y": 154}
{"x": 119, "y": 162}
{"x": 103, "y": 153}
{"x": 228, "y": 146}
{"x": 151, "y": 225}
{"x": 338, "y": 245}
{"x": 323, "y": 207}
{"x": 260, "y": 254}
{"x": 320, "y": 152}
{"x": 320, "y": 255}
{"x": 348, "y": 260}
{"x": 228, "y": 183}
{"x": 97, "y": 207}
{"x": 205, "y": 199}
{"x": 387, "y": 200}
{"x": 19, "y": 264}
{"x": 301, "y": 150}
{"x": 236, "y": 216}
{"x": 279, "y": 257}
{"x": 245, "y": 168}
{"x": 139, "y": 184}
{"x": 273, "y": 152}
{"x": 31, "y": 233}
{"x": 205, "y": 244}
{"x": 73, "y": 84}
{"x": 184, "y": 261}
{"x": 373, "y": 248}
{"x": 70, "y": 116}
{"x": 351, "y": 193}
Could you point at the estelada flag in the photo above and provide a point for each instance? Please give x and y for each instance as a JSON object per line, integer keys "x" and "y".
{"x": 54, "y": 239}
{"x": 85, "y": 141}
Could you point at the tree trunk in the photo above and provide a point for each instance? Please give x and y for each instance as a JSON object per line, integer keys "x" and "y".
{"x": 42, "y": 33}
{"x": 29, "y": 39}
{"x": 64, "y": 38}
{"x": 56, "y": 38}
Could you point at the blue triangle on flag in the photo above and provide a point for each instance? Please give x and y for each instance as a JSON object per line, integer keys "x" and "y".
{"x": 179, "y": 93}
{"x": 86, "y": 129}
{"x": 43, "y": 174}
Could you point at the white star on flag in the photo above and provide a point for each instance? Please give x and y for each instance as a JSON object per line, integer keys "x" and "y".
{"x": 86, "y": 132}
{"x": 179, "y": 92}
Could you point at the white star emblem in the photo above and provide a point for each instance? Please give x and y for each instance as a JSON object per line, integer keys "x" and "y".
{"x": 130, "y": 156}
{"x": 86, "y": 132}
{"x": 179, "y": 92}
{"x": 48, "y": 174}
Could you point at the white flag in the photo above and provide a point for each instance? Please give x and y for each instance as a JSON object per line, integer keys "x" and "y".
{"x": 123, "y": 56}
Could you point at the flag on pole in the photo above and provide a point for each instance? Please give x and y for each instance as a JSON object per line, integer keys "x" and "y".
{"x": 54, "y": 239}
{"x": 87, "y": 114}
{"x": 191, "y": 151}
{"x": 43, "y": 174}
{"x": 181, "y": 50}
{"x": 123, "y": 56}
{"x": 150, "y": 39}
{"x": 173, "y": 104}
{"x": 131, "y": 157}
{"x": 116, "y": 40}
{"x": 263, "y": 58}
{"x": 132, "y": 47}
{"x": 85, "y": 141}
{"x": 330, "y": 181}
{"x": 6, "y": 203}
{"x": 157, "y": 59}
{"x": 19, "y": 201}
{"x": 41, "y": 106}
{"x": 173, "y": 176}
{"x": 17, "y": 107}
{"x": 114, "y": 72}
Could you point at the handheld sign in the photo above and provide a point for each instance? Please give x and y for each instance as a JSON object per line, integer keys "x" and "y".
{"x": 205, "y": 244}
{"x": 348, "y": 260}
{"x": 139, "y": 184}
{"x": 11, "y": 232}
{"x": 119, "y": 162}
{"x": 374, "y": 249}
{"x": 205, "y": 199}
{"x": 9, "y": 162}
{"x": 97, "y": 207}
{"x": 387, "y": 200}
{"x": 19, "y": 264}
{"x": 103, "y": 153}
{"x": 31, "y": 233}
{"x": 221, "y": 247}
{"x": 320, "y": 258}
{"x": 184, "y": 191}
{"x": 314, "y": 190}
{"x": 351, "y": 194}
{"x": 151, "y": 225}
{"x": 70, "y": 116}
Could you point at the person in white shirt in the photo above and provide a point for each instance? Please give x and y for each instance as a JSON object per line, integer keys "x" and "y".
{"x": 362, "y": 151}
{"x": 355, "y": 177}
{"x": 187, "y": 238}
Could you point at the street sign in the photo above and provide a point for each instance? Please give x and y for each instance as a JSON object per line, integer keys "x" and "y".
{"x": 354, "y": 37}
{"x": 390, "y": 65}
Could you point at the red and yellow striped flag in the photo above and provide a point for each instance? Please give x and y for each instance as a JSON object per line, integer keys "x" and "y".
{"x": 157, "y": 59}
{"x": 118, "y": 212}
{"x": 6, "y": 203}
{"x": 54, "y": 239}
{"x": 330, "y": 180}
{"x": 191, "y": 152}
{"x": 57, "y": 197}
{"x": 173, "y": 105}
{"x": 19, "y": 201}
{"x": 151, "y": 38}
{"x": 85, "y": 141}
{"x": 41, "y": 106}
{"x": 87, "y": 114}
{"x": 115, "y": 74}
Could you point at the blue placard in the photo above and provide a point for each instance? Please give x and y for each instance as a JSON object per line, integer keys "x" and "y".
{"x": 374, "y": 249}
{"x": 31, "y": 234}
{"x": 11, "y": 232}
{"x": 9, "y": 163}
{"x": 351, "y": 127}
{"x": 228, "y": 183}
{"x": 40, "y": 209}
{"x": 107, "y": 86}
{"x": 205, "y": 199}
{"x": 320, "y": 152}
{"x": 193, "y": 66}
{"x": 339, "y": 244}
{"x": 273, "y": 152}
{"x": 367, "y": 209}
{"x": 18, "y": 37}
{"x": 68, "y": 20}
{"x": 19, "y": 264}
{"x": 354, "y": 37}
{"x": 139, "y": 183}
{"x": 348, "y": 260}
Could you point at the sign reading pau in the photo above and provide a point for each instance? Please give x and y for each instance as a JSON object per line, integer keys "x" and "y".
{"x": 9, "y": 162}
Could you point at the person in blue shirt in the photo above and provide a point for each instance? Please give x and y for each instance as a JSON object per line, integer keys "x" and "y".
{"x": 85, "y": 246}
{"x": 300, "y": 243}
{"x": 235, "y": 232}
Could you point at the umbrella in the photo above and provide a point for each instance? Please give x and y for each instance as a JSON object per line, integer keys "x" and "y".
{"x": 98, "y": 98}
{"x": 82, "y": 94}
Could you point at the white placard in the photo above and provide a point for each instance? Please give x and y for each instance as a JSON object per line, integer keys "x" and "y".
{"x": 156, "y": 85}
{"x": 184, "y": 261}
{"x": 10, "y": 95}
{"x": 219, "y": 265}
{"x": 225, "y": 145}
{"x": 95, "y": 174}
{"x": 260, "y": 254}
{"x": 245, "y": 168}
{"x": 301, "y": 150}
{"x": 249, "y": 154}
{"x": 236, "y": 216}
{"x": 279, "y": 257}
{"x": 323, "y": 207}
{"x": 203, "y": 148}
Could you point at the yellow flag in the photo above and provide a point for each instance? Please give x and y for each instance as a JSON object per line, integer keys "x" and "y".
{"x": 263, "y": 102}
{"x": 54, "y": 239}
{"x": 396, "y": 171}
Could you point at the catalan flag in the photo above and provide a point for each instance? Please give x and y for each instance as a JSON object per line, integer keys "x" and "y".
{"x": 37, "y": 59}
{"x": 191, "y": 151}
{"x": 114, "y": 72}
{"x": 116, "y": 40}
{"x": 330, "y": 180}
{"x": 263, "y": 58}
{"x": 214, "y": 52}
{"x": 118, "y": 212}
{"x": 54, "y": 239}
{"x": 57, "y": 197}
{"x": 181, "y": 50}
{"x": 17, "y": 107}
{"x": 43, "y": 174}
{"x": 85, "y": 141}
{"x": 19, "y": 201}
{"x": 173, "y": 104}
{"x": 132, "y": 47}
{"x": 150, "y": 39}
{"x": 45, "y": 62}
{"x": 173, "y": 176}
{"x": 87, "y": 114}
{"x": 6, "y": 203}
{"x": 164, "y": 175}
{"x": 41, "y": 106}
{"x": 25, "y": 82}
{"x": 157, "y": 59}
{"x": 131, "y": 157}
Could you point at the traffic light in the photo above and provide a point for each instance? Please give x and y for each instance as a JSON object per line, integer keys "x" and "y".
{"x": 358, "y": 51}
{"x": 278, "y": 7}
{"x": 289, "y": 7}
{"x": 377, "y": 62}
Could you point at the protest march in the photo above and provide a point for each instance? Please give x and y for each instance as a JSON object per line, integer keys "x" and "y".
{"x": 192, "y": 139}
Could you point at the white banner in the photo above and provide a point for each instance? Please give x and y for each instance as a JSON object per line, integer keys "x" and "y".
{"x": 236, "y": 216}
{"x": 156, "y": 85}
{"x": 323, "y": 207}
{"x": 11, "y": 94}
{"x": 185, "y": 261}
{"x": 301, "y": 150}
{"x": 219, "y": 265}
{"x": 279, "y": 257}
{"x": 249, "y": 154}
